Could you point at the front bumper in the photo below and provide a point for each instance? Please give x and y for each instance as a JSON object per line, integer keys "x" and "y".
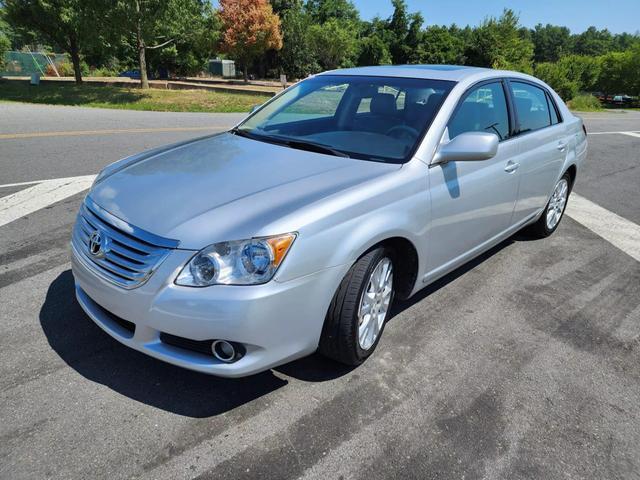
{"x": 275, "y": 322}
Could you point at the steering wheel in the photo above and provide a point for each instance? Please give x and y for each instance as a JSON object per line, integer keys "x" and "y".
{"x": 403, "y": 131}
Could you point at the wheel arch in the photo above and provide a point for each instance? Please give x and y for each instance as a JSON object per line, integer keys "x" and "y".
{"x": 406, "y": 262}
{"x": 572, "y": 170}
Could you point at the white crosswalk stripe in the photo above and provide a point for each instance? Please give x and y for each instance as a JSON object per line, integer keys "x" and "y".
{"x": 615, "y": 229}
{"x": 40, "y": 196}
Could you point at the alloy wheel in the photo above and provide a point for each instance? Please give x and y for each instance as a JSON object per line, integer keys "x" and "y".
{"x": 557, "y": 203}
{"x": 374, "y": 304}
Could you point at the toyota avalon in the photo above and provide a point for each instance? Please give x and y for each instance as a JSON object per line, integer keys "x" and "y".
{"x": 296, "y": 230}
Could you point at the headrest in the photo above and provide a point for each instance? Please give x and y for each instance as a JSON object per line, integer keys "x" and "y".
{"x": 434, "y": 100}
{"x": 423, "y": 110}
{"x": 383, "y": 104}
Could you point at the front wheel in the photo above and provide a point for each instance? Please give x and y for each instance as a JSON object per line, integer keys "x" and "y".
{"x": 554, "y": 210}
{"x": 359, "y": 309}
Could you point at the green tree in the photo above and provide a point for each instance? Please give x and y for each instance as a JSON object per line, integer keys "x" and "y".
{"x": 441, "y": 45}
{"x": 593, "y": 42}
{"x": 333, "y": 43}
{"x": 550, "y": 42}
{"x": 322, "y": 11}
{"x": 405, "y": 33}
{"x": 374, "y": 51}
{"x": 4, "y": 47}
{"x": 634, "y": 70}
{"x": 620, "y": 72}
{"x": 624, "y": 41}
{"x": 556, "y": 75}
{"x": 148, "y": 25}
{"x": 571, "y": 74}
{"x": 189, "y": 53}
{"x": 296, "y": 59}
{"x": 500, "y": 43}
{"x": 69, "y": 25}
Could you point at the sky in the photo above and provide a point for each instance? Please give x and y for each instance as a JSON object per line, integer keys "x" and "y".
{"x": 616, "y": 15}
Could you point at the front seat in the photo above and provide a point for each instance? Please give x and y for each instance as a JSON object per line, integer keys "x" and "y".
{"x": 383, "y": 113}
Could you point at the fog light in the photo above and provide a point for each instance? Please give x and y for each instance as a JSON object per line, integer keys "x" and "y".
{"x": 223, "y": 351}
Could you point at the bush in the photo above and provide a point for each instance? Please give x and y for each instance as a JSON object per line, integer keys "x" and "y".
{"x": 65, "y": 69}
{"x": 585, "y": 103}
{"x": 103, "y": 72}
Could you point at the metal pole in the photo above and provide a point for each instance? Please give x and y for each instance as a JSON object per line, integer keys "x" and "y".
{"x": 34, "y": 61}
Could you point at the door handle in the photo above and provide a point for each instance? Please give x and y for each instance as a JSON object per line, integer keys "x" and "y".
{"x": 562, "y": 146}
{"x": 511, "y": 166}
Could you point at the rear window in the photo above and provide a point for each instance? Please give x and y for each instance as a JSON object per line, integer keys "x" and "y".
{"x": 532, "y": 107}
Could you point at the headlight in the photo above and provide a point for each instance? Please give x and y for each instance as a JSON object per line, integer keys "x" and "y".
{"x": 243, "y": 262}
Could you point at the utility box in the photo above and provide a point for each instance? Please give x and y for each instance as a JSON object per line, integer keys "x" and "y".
{"x": 222, "y": 68}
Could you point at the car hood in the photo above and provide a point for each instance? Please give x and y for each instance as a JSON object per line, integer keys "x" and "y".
{"x": 224, "y": 187}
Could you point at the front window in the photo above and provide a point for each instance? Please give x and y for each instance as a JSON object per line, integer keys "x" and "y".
{"x": 483, "y": 109}
{"x": 371, "y": 118}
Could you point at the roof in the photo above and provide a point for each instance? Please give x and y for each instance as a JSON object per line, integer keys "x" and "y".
{"x": 453, "y": 73}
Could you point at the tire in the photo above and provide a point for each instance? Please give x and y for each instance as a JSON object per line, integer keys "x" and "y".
{"x": 542, "y": 228}
{"x": 341, "y": 340}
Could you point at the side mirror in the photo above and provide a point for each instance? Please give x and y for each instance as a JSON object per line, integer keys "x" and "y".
{"x": 255, "y": 107}
{"x": 468, "y": 147}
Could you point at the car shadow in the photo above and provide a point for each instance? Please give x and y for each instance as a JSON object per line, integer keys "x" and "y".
{"x": 401, "y": 306}
{"x": 98, "y": 357}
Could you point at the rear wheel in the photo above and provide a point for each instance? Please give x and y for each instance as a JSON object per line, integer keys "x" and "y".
{"x": 554, "y": 210}
{"x": 359, "y": 309}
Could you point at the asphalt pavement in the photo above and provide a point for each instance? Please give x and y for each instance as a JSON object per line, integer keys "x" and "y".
{"x": 522, "y": 364}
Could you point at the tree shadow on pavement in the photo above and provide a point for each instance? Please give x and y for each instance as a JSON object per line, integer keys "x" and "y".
{"x": 98, "y": 357}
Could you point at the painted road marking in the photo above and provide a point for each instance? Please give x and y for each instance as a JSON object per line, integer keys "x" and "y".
{"x": 632, "y": 133}
{"x": 40, "y": 196}
{"x": 19, "y": 184}
{"x": 73, "y": 133}
{"x": 618, "y": 231}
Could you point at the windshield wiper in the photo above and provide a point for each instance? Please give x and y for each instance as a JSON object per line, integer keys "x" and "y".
{"x": 291, "y": 142}
{"x": 312, "y": 147}
{"x": 243, "y": 133}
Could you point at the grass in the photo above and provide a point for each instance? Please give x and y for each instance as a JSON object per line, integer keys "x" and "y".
{"x": 102, "y": 96}
{"x": 585, "y": 103}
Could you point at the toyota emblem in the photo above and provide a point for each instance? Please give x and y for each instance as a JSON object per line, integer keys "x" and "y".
{"x": 96, "y": 244}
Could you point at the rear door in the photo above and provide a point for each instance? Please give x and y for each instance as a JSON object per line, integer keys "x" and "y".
{"x": 472, "y": 202}
{"x": 542, "y": 144}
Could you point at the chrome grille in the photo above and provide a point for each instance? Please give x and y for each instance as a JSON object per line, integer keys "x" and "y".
{"x": 115, "y": 250}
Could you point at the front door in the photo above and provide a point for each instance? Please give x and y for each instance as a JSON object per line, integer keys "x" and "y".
{"x": 472, "y": 202}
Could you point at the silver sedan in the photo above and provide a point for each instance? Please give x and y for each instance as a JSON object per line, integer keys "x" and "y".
{"x": 296, "y": 230}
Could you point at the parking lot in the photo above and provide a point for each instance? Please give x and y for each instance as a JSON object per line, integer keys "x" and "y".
{"x": 522, "y": 364}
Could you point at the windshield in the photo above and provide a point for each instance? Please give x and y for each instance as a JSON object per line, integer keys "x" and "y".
{"x": 371, "y": 118}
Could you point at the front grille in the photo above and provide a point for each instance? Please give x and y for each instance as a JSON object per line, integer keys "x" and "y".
{"x": 123, "y": 254}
